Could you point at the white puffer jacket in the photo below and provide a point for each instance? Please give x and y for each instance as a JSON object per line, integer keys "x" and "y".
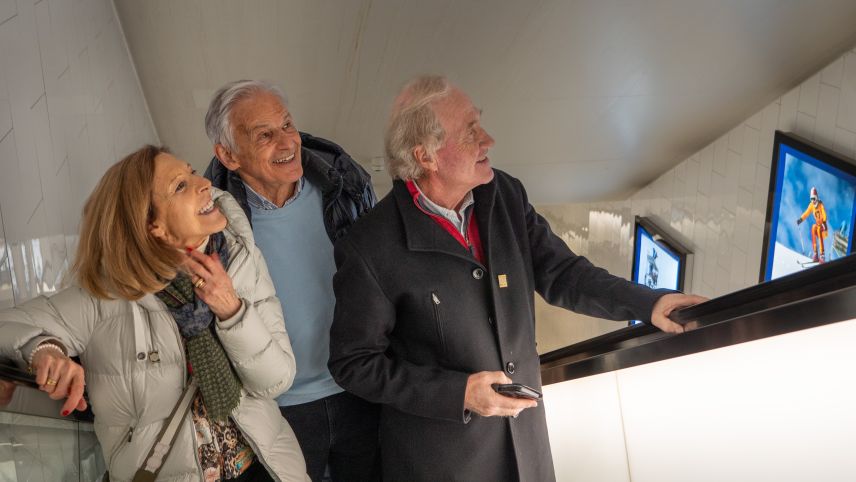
{"x": 132, "y": 392}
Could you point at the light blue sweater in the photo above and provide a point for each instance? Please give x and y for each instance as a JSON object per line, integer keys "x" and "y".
{"x": 299, "y": 255}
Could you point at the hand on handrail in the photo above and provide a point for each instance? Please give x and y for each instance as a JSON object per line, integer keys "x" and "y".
{"x": 60, "y": 377}
{"x": 668, "y": 303}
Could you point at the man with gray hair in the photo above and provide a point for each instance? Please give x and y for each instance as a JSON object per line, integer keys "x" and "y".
{"x": 435, "y": 300}
{"x": 301, "y": 194}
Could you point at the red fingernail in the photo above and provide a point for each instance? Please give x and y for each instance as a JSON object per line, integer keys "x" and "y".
{"x": 189, "y": 250}
{"x": 65, "y": 413}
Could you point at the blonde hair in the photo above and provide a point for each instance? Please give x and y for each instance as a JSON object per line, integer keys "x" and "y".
{"x": 413, "y": 122}
{"x": 117, "y": 256}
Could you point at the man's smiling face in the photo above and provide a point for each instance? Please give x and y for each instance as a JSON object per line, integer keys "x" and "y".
{"x": 267, "y": 144}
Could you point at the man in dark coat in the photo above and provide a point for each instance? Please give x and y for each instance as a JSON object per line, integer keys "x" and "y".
{"x": 301, "y": 193}
{"x": 434, "y": 300}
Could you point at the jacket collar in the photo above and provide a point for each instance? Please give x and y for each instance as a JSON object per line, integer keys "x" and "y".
{"x": 485, "y": 199}
{"x": 319, "y": 172}
{"x": 423, "y": 234}
{"x": 237, "y": 224}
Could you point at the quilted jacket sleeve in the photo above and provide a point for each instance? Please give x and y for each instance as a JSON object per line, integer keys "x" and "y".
{"x": 67, "y": 317}
{"x": 255, "y": 338}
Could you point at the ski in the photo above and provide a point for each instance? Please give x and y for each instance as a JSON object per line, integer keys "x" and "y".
{"x": 808, "y": 264}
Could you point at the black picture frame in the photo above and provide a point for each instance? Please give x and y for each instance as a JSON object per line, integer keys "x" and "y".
{"x": 819, "y": 158}
{"x": 646, "y": 228}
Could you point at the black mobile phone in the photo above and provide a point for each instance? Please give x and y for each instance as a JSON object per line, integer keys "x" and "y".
{"x": 517, "y": 390}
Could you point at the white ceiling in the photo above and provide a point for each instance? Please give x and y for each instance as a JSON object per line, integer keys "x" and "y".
{"x": 587, "y": 99}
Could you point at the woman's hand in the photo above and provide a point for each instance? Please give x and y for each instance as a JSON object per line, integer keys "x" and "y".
{"x": 60, "y": 377}
{"x": 212, "y": 284}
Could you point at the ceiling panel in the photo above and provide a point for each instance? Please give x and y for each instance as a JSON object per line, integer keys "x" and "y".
{"x": 587, "y": 100}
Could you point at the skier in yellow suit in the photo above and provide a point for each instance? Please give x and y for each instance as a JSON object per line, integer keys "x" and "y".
{"x": 818, "y": 231}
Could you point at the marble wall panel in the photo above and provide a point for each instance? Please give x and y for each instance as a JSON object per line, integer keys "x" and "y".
{"x": 70, "y": 106}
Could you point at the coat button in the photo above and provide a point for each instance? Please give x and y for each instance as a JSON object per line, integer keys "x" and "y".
{"x": 510, "y": 367}
{"x": 478, "y": 273}
{"x": 141, "y": 356}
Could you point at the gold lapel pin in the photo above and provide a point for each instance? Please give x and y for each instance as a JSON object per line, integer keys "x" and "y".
{"x": 503, "y": 281}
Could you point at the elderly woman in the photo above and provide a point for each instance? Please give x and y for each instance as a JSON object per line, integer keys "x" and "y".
{"x": 171, "y": 293}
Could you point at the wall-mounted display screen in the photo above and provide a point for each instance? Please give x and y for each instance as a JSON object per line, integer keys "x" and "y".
{"x": 811, "y": 207}
{"x": 658, "y": 260}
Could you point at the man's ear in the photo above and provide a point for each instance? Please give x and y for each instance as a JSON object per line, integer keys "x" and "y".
{"x": 226, "y": 158}
{"x": 425, "y": 160}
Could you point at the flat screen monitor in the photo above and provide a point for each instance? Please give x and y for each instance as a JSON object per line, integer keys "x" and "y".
{"x": 659, "y": 261}
{"x": 811, "y": 207}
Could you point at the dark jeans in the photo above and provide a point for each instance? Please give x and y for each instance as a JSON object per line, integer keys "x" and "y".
{"x": 340, "y": 431}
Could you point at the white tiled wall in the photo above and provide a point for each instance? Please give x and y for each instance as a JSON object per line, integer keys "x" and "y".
{"x": 714, "y": 202}
{"x": 70, "y": 106}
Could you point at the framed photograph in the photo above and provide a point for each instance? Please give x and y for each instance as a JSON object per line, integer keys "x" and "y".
{"x": 659, "y": 261}
{"x": 811, "y": 207}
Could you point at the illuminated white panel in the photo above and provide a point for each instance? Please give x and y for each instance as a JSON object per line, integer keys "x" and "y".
{"x": 585, "y": 430}
{"x": 781, "y": 408}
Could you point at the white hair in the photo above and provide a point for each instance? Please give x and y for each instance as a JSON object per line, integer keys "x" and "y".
{"x": 218, "y": 124}
{"x": 413, "y": 122}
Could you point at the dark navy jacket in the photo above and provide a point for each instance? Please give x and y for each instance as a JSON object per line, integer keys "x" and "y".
{"x": 346, "y": 187}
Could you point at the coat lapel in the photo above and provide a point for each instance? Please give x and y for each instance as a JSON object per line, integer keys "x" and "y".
{"x": 485, "y": 197}
{"x": 421, "y": 232}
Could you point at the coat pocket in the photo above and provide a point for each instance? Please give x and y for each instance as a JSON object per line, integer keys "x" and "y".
{"x": 438, "y": 322}
{"x": 123, "y": 442}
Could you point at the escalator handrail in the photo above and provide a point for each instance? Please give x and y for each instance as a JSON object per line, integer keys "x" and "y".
{"x": 15, "y": 375}
{"x": 729, "y": 312}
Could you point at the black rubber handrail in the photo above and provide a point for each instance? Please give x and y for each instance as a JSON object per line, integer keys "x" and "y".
{"x": 772, "y": 294}
{"x": 832, "y": 307}
{"x": 796, "y": 288}
{"x": 13, "y": 374}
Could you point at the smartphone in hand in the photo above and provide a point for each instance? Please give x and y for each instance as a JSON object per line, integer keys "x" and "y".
{"x": 517, "y": 390}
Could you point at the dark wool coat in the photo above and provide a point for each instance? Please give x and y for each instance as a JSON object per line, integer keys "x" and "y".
{"x": 416, "y": 314}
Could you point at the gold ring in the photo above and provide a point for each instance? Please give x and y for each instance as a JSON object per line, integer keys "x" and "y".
{"x": 199, "y": 284}
{"x": 50, "y": 381}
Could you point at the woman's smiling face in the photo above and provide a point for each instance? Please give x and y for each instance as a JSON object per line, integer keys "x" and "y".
{"x": 184, "y": 211}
